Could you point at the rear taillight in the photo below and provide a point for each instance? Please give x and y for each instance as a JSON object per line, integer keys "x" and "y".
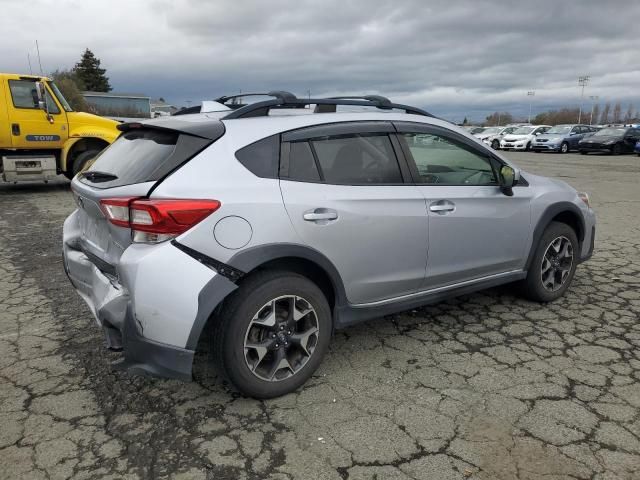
{"x": 156, "y": 220}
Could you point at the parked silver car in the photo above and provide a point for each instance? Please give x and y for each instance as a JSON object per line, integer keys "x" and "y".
{"x": 276, "y": 230}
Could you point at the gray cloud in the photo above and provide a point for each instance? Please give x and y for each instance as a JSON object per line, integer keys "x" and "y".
{"x": 454, "y": 58}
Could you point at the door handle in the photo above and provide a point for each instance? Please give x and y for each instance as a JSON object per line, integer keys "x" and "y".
{"x": 442, "y": 207}
{"x": 319, "y": 214}
{"x": 15, "y": 129}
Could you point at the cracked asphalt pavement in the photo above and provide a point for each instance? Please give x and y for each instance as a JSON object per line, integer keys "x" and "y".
{"x": 485, "y": 386}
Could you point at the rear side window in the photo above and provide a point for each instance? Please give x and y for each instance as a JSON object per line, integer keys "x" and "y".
{"x": 261, "y": 158}
{"x": 142, "y": 155}
{"x": 360, "y": 159}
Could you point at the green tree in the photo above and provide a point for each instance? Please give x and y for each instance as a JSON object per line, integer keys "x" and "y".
{"x": 465, "y": 121}
{"x": 71, "y": 87}
{"x": 90, "y": 74}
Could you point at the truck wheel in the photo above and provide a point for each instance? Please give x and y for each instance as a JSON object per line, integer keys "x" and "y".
{"x": 81, "y": 161}
{"x": 271, "y": 335}
{"x": 553, "y": 265}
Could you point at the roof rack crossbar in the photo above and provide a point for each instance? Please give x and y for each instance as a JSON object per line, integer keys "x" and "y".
{"x": 279, "y": 94}
{"x": 260, "y": 109}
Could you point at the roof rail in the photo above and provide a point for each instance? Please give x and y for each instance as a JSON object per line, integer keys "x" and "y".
{"x": 323, "y": 105}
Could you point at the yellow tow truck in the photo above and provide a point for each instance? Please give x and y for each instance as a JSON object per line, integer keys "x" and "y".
{"x": 40, "y": 134}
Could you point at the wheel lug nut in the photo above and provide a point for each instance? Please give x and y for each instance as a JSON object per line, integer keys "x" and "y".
{"x": 277, "y": 346}
{"x": 273, "y": 335}
{"x": 281, "y": 327}
{"x": 288, "y": 332}
{"x": 286, "y": 343}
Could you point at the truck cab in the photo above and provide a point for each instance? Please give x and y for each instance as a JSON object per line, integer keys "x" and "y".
{"x": 40, "y": 134}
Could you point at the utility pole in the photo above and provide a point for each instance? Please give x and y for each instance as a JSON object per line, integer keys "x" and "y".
{"x": 530, "y": 93}
{"x": 594, "y": 99}
{"x": 582, "y": 81}
{"x": 29, "y": 60}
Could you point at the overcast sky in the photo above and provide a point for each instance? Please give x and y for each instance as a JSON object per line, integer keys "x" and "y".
{"x": 453, "y": 58}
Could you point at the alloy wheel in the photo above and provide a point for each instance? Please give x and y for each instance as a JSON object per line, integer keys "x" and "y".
{"x": 556, "y": 264}
{"x": 281, "y": 338}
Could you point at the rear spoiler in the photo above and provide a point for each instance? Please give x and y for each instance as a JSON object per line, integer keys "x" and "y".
{"x": 209, "y": 128}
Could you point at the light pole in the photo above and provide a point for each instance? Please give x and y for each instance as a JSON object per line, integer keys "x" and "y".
{"x": 530, "y": 93}
{"x": 594, "y": 99}
{"x": 582, "y": 81}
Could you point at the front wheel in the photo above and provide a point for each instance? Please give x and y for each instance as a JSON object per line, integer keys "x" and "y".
{"x": 528, "y": 147}
{"x": 582, "y": 152}
{"x": 564, "y": 148}
{"x": 495, "y": 145}
{"x": 616, "y": 150}
{"x": 272, "y": 334}
{"x": 554, "y": 264}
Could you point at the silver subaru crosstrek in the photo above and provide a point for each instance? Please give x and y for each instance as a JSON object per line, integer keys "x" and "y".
{"x": 268, "y": 226}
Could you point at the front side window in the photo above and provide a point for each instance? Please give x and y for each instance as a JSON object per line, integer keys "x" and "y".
{"x": 25, "y": 95}
{"x": 440, "y": 160}
{"x": 359, "y": 159}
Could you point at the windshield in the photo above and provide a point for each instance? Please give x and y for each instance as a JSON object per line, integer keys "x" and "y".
{"x": 559, "y": 129}
{"x": 476, "y": 130}
{"x": 492, "y": 130}
{"x": 610, "y": 132}
{"x": 523, "y": 131}
{"x": 60, "y": 97}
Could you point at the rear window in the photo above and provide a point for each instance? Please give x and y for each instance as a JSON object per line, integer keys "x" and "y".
{"x": 142, "y": 155}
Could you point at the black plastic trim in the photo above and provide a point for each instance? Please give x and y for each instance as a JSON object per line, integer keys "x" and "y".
{"x": 337, "y": 128}
{"x": 227, "y": 271}
{"x": 347, "y": 315}
{"x": 545, "y": 219}
{"x": 592, "y": 243}
{"x": 251, "y": 258}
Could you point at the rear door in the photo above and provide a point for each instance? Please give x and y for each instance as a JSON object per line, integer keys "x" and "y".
{"x": 475, "y": 230}
{"x": 30, "y": 127}
{"x": 130, "y": 167}
{"x": 345, "y": 193}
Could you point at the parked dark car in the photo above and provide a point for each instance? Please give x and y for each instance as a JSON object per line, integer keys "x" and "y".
{"x": 615, "y": 140}
{"x": 637, "y": 149}
{"x": 561, "y": 138}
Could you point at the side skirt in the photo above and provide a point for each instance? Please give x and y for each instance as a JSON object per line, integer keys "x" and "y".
{"x": 351, "y": 314}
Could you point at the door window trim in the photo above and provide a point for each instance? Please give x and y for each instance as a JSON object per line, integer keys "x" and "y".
{"x": 51, "y": 96}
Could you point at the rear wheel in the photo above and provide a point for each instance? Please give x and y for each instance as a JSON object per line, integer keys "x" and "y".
{"x": 82, "y": 160}
{"x": 271, "y": 336}
{"x": 564, "y": 148}
{"x": 582, "y": 152}
{"x": 553, "y": 265}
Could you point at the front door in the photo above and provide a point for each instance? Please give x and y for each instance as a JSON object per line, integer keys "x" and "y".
{"x": 346, "y": 197}
{"x": 475, "y": 230}
{"x": 29, "y": 125}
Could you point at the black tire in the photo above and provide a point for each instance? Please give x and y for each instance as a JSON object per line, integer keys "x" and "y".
{"x": 533, "y": 286}
{"x": 616, "y": 150}
{"x": 528, "y": 147}
{"x": 564, "y": 148}
{"x": 81, "y": 161}
{"x": 582, "y": 152}
{"x": 232, "y": 324}
{"x": 495, "y": 145}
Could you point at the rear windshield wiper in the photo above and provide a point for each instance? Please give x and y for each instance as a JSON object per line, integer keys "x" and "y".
{"x": 97, "y": 177}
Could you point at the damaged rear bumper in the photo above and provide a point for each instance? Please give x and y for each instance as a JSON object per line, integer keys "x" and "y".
{"x": 153, "y": 306}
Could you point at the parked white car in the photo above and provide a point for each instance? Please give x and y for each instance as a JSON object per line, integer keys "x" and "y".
{"x": 491, "y": 136}
{"x": 521, "y": 138}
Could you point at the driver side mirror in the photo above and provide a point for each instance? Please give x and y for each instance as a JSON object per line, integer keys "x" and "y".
{"x": 42, "y": 100}
{"x": 508, "y": 178}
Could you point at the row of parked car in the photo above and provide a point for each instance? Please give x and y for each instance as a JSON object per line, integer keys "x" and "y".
{"x": 561, "y": 138}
